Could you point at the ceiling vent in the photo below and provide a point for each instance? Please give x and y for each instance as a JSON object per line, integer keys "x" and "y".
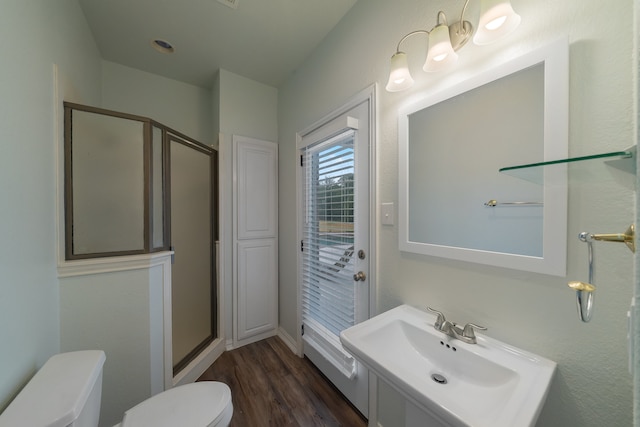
{"x": 233, "y": 4}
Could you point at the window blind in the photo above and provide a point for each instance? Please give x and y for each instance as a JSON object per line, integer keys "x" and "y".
{"x": 328, "y": 287}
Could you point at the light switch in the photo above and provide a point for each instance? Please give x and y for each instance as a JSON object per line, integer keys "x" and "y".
{"x": 386, "y": 212}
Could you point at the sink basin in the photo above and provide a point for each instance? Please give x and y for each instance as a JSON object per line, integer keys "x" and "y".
{"x": 485, "y": 384}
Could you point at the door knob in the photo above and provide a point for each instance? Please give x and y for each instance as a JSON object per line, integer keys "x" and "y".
{"x": 359, "y": 276}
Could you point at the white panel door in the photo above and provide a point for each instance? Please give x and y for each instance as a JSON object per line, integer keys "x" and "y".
{"x": 255, "y": 198}
{"x": 256, "y": 193}
{"x": 257, "y": 287}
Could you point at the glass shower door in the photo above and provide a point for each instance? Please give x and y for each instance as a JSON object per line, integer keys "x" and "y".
{"x": 192, "y": 237}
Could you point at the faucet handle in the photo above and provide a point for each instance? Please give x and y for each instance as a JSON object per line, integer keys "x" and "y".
{"x": 439, "y": 320}
{"x": 468, "y": 331}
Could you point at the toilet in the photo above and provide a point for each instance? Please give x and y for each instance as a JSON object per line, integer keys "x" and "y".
{"x": 66, "y": 392}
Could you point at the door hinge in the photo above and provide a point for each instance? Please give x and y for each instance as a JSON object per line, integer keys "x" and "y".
{"x": 301, "y": 245}
{"x": 302, "y": 329}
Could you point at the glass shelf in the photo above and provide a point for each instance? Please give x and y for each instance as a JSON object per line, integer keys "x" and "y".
{"x": 534, "y": 172}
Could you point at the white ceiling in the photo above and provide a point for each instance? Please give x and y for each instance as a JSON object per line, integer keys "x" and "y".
{"x": 264, "y": 40}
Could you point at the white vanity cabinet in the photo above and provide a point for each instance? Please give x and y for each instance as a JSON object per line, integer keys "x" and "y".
{"x": 255, "y": 261}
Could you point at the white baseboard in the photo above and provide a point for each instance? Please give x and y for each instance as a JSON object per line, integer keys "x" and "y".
{"x": 289, "y": 341}
{"x": 196, "y": 368}
{"x": 254, "y": 338}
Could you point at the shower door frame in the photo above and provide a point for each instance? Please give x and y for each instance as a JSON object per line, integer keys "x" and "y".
{"x": 169, "y": 137}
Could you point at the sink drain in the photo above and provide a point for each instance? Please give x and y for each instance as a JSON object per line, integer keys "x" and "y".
{"x": 439, "y": 378}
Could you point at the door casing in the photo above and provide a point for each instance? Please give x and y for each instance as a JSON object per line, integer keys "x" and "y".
{"x": 367, "y": 96}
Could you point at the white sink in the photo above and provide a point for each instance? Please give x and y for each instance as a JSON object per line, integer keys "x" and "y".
{"x": 488, "y": 384}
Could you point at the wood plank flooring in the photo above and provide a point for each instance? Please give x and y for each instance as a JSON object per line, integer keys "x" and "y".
{"x": 271, "y": 386}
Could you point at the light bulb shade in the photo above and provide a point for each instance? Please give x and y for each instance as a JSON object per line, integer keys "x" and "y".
{"x": 441, "y": 54}
{"x": 399, "y": 76}
{"x": 497, "y": 19}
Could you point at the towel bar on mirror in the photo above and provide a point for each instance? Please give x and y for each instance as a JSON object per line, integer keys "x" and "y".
{"x": 493, "y": 203}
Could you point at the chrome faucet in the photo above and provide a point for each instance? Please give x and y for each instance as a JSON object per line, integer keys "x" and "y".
{"x": 465, "y": 334}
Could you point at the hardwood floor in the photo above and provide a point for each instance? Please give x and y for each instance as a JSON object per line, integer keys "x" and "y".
{"x": 271, "y": 386}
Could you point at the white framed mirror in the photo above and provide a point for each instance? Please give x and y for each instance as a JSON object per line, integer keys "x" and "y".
{"x": 453, "y": 202}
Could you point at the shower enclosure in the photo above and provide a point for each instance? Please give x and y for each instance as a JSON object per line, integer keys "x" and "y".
{"x": 134, "y": 186}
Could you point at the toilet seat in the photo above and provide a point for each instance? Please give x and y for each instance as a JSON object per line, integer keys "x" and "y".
{"x": 201, "y": 404}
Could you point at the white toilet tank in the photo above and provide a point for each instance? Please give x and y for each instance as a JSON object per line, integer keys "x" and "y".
{"x": 65, "y": 392}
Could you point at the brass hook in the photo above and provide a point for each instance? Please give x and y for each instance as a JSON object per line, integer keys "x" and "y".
{"x": 628, "y": 237}
{"x": 581, "y": 286}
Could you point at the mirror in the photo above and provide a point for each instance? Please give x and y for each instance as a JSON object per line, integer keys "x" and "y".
{"x": 453, "y": 201}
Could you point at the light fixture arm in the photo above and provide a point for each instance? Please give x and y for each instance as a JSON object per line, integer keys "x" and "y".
{"x": 444, "y": 18}
{"x": 460, "y": 32}
{"x": 406, "y": 36}
{"x": 464, "y": 9}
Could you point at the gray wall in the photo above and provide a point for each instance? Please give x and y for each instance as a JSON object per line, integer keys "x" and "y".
{"x": 181, "y": 106}
{"x": 592, "y": 387}
{"x": 245, "y": 108}
{"x": 35, "y": 35}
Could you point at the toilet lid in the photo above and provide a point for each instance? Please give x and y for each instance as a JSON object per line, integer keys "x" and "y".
{"x": 199, "y": 404}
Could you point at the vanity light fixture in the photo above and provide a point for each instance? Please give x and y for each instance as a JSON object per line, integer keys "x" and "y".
{"x": 497, "y": 19}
